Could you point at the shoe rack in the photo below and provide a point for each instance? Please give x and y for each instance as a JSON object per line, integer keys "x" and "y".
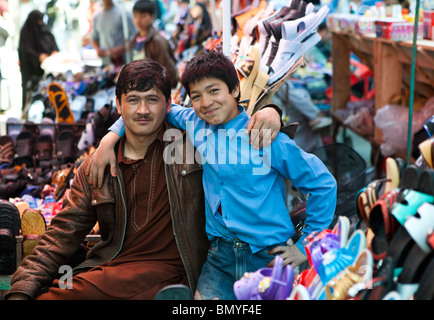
{"x": 390, "y": 61}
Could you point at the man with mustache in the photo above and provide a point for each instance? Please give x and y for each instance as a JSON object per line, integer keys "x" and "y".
{"x": 151, "y": 215}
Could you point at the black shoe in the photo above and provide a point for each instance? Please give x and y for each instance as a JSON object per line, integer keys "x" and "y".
{"x": 10, "y": 224}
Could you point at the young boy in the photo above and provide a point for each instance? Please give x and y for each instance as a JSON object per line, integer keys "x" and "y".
{"x": 246, "y": 215}
{"x": 148, "y": 43}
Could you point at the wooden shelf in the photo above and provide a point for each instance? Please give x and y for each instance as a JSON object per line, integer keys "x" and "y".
{"x": 390, "y": 62}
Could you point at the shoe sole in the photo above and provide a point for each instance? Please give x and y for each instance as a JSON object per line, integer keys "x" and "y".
{"x": 305, "y": 46}
{"x": 59, "y": 99}
{"x": 33, "y": 227}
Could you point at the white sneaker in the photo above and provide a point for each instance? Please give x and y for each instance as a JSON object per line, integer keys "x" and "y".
{"x": 298, "y": 37}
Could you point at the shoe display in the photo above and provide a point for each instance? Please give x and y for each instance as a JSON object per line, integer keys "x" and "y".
{"x": 59, "y": 100}
{"x": 7, "y": 149}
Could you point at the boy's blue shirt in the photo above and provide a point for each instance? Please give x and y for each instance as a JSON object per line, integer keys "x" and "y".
{"x": 249, "y": 184}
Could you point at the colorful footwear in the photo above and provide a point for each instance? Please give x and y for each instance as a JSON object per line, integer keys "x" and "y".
{"x": 392, "y": 175}
{"x": 410, "y": 177}
{"x": 174, "y": 292}
{"x": 342, "y": 230}
{"x": 247, "y": 67}
{"x": 59, "y": 100}
{"x": 427, "y": 150}
{"x": 24, "y": 149}
{"x": 7, "y": 149}
{"x": 266, "y": 283}
{"x": 299, "y": 293}
{"x": 9, "y": 229}
{"x": 420, "y": 224}
{"x": 298, "y": 37}
{"x": 276, "y": 283}
{"x": 408, "y": 204}
{"x": 258, "y": 87}
{"x": 335, "y": 261}
{"x": 32, "y": 227}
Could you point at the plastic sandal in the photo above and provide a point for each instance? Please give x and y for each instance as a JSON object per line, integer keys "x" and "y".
{"x": 420, "y": 224}
{"x": 298, "y": 37}
{"x": 426, "y": 149}
{"x": 7, "y": 149}
{"x": 44, "y": 151}
{"x": 247, "y": 67}
{"x": 299, "y": 293}
{"x": 392, "y": 175}
{"x": 409, "y": 203}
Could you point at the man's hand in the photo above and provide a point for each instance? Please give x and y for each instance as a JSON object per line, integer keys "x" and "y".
{"x": 266, "y": 125}
{"x": 290, "y": 255}
{"x": 104, "y": 155}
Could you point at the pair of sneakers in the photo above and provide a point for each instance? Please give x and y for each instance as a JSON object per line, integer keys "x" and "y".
{"x": 297, "y": 37}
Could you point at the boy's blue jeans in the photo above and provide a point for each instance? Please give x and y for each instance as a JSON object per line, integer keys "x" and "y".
{"x": 226, "y": 263}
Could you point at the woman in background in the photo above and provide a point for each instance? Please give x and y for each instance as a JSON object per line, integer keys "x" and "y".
{"x": 36, "y": 44}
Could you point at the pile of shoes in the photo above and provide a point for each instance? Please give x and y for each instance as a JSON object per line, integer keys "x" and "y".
{"x": 268, "y": 46}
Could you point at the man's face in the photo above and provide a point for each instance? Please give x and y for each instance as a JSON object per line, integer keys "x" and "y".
{"x": 213, "y": 102}
{"x": 143, "y": 21}
{"x": 143, "y": 112}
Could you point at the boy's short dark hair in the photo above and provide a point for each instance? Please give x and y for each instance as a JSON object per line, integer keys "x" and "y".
{"x": 143, "y": 75}
{"x": 210, "y": 65}
{"x": 144, "y": 6}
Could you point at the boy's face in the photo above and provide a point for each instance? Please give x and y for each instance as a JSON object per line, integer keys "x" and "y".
{"x": 143, "y": 21}
{"x": 143, "y": 112}
{"x": 213, "y": 102}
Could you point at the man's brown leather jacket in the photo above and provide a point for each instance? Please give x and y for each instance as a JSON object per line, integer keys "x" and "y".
{"x": 83, "y": 206}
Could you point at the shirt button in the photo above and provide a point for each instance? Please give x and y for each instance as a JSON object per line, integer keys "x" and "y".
{"x": 93, "y": 201}
{"x": 238, "y": 244}
{"x": 183, "y": 172}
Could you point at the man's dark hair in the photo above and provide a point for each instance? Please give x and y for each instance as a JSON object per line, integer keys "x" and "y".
{"x": 143, "y": 75}
{"x": 210, "y": 65}
{"x": 145, "y": 6}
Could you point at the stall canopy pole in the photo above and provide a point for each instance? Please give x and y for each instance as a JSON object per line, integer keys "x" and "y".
{"x": 226, "y": 37}
{"x": 413, "y": 67}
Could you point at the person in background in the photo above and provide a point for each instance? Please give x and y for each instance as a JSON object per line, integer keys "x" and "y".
{"x": 35, "y": 45}
{"x": 108, "y": 33}
{"x": 148, "y": 43}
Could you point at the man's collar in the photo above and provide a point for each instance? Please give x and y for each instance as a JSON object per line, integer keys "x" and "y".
{"x": 121, "y": 148}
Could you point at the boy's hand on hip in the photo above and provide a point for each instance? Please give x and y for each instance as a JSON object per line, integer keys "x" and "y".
{"x": 290, "y": 255}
